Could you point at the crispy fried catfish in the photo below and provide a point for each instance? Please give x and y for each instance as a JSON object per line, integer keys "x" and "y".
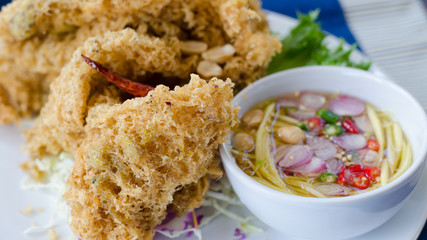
{"x": 143, "y": 155}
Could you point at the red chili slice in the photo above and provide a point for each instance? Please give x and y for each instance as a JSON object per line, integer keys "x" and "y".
{"x": 314, "y": 122}
{"x": 355, "y": 168}
{"x": 373, "y": 145}
{"x": 341, "y": 180}
{"x": 343, "y": 177}
{"x": 359, "y": 180}
{"x": 350, "y": 126}
{"x": 372, "y": 173}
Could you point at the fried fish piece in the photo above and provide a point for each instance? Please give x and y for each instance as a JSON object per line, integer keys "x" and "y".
{"x": 60, "y": 126}
{"x": 7, "y": 114}
{"x": 138, "y": 157}
{"x": 38, "y": 39}
{"x": 143, "y": 155}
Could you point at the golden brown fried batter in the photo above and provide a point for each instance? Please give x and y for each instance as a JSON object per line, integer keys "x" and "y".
{"x": 134, "y": 158}
{"x": 145, "y": 154}
{"x": 39, "y": 36}
{"x": 60, "y": 126}
{"x": 7, "y": 113}
{"x": 191, "y": 196}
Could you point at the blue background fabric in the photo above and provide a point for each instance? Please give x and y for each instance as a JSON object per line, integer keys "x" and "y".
{"x": 331, "y": 16}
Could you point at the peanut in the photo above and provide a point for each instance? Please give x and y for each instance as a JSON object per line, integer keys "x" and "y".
{"x": 243, "y": 142}
{"x": 219, "y": 54}
{"x": 208, "y": 69}
{"x": 291, "y": 134}
{"x": 193, "y": 47}
{"x": 253, "y": 117}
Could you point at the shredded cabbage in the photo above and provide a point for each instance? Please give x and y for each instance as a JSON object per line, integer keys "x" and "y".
{"x": 216, "y": 202}
{"x": 55, "y": 173}
{"x": 219, "y": 197}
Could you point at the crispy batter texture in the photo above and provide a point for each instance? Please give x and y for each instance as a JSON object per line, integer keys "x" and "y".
{"x": 141, "y": 156}
{"x": 164, "y": 141}
{"x": 7, "y": 113}
{"x": 39, "y": 36}
{"x": 134, "y": 159}
{"x": 60, "y": 126}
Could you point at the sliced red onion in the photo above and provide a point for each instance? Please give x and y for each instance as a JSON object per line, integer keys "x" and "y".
{"x": 368, "y": 157}
{"x": 350, "y": 141}
{"x": 322, "y": 147}
{"x": 332, "y": 189}
{"x": 311, "y": 100}
{"x": 346, "y": 106}
{"x": 315, "y": 167}
{"x": 294, "y": 156}
{"x": 363, "y": 123}
{"x": 280, "y": 151}
{"x": 334, "y": 165}
{"x": 287, "y": 102}
{"x": 301, "y": 115}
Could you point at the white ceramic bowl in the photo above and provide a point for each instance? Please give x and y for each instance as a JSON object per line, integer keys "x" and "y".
{"x": 331, "y": 218}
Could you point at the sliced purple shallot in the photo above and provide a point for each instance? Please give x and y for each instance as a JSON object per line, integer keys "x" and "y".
{"x": 346, "y": 105}
{"x": 332, "y": 189}
{"x": 293, "y": 156}
{"x": 287, "y": 102}
{"x": 312, "y": 100}
{"x": 350, "y": 141}
{"x": 334, "y": 165}
{"x": 315, "y": 167}
{"x": 363, "y": 123}
{"x": 301, "y": 115}
{"x": 322, "y": 147}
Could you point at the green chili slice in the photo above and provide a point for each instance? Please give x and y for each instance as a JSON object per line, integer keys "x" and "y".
{"x": 332, "y": 130}
{"x": 303, "y": 126}
{"x": 327, "y": 177}
{"x": 328, "y": 116}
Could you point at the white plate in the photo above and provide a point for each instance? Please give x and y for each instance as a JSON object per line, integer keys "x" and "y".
{"x": 407, "y": 224}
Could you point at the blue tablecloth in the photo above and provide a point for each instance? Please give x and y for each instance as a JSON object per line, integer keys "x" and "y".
{"x": 4, "y": 2}
{"x": 331, "y": 15}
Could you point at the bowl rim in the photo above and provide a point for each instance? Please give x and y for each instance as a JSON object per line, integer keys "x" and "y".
{"x": 231, "y": 167}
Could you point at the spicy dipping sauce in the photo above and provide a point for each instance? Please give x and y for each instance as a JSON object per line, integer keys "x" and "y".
{"x": 320, "y": 145}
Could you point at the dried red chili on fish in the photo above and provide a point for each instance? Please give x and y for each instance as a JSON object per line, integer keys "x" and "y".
{"x": 134, "y": 88}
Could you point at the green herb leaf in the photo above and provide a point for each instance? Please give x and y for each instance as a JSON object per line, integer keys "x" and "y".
{"x": 305, "y": 45}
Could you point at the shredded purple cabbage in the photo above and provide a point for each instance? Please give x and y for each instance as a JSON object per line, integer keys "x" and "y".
{"x": 188, "y": 220}
{"x": 187, "y": 223}
{"x": 199, "y": 218}
{"x": 169, "y": 217}
{"x": 239, "y": 234}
